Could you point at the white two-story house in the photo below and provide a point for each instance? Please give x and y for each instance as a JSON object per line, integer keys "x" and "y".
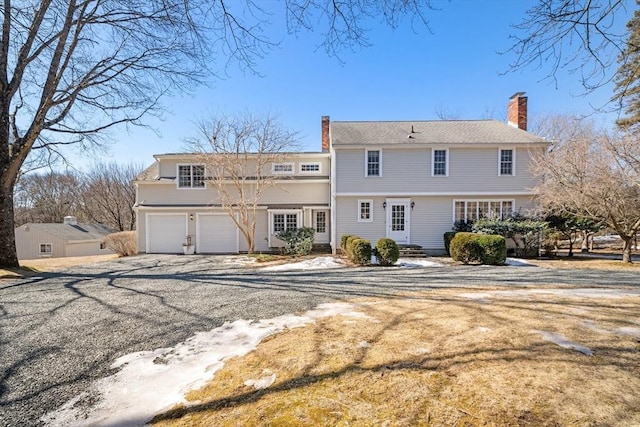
{"x": 407, "y": 180}
{"x": 411, "y": 180}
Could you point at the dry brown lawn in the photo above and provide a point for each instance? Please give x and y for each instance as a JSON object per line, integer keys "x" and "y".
{"x": 438, "y": 359}
{"x": 34, "y": 266}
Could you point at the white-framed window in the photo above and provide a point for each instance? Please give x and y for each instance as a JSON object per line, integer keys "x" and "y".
{"x": 282, "y": 168}
{"x": 365, "y": 210}
{"x": 373, "y": 162}
{"x": 506, "y": 162}
{"x": 471, "y": 210}
{"x": 321, "y": 222}
{"x": 440, "y": 162}
{"x": 46, "y": 249}
{"x": 284, "y": 221}
{"x": 191, "y": 176}
{"x": 314, "y": 167}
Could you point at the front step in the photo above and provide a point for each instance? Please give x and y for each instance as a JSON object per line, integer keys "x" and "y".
{"x": 411, "y": 251}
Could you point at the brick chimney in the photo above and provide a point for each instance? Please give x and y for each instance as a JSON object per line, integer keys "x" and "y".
{"x": 326, "y": 142}
{"x": 517, "y": 111}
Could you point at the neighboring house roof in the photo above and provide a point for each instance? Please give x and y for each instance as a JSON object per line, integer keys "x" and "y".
{"x": 429, "y": 132}
{"x": 72, "y": 232}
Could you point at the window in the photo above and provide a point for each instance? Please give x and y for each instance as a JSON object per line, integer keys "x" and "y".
{"x": 282, "y": 168}
{"x": 365, "y": 210}
{"x": 439, "y": 163}
{"x": 321, "y": 222}
{"x": 309, "y": 167}
{"x": 284, "y": 221}
{"x": 506, "y": 162}
{"x": 373, "y": 162}
{"x": 470, "y": 210}
{"x": 45, "y": 249}
{"x": 191, "y": 176}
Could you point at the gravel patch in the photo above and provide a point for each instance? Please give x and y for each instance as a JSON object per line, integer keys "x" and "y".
{"x": 61, "y": 331}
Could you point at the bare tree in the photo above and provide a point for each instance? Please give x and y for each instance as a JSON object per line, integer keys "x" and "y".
{"x": 577, "y": 35}
{"x": 47, "y": 197}
{"x": 238, "y": 153}
{"x": 108, "y": 195}
{"x": 584, "y": 175}
{"x": 70, "y": 70}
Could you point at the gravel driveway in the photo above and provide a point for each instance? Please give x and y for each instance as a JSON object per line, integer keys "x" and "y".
{"x": 61, "y": 331}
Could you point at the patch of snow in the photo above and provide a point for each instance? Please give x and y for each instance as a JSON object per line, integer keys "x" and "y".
{"x": 517, "y": 262}
{"x": 416, "y": 263}
{"x": 628, "y": 330}
{"x": 563, "y": 342}
{"x": 607, "y": 238}
{"x": 363, "y": 344}
{"x": 150, "y": 382}
{"x": 262, "y": 383}
{"x": 239, "y": 260}
{"x": 482, "y": 329}
{"x": 318, "y": 263}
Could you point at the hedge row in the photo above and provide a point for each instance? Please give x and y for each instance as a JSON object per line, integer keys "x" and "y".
{"x": 359, "y": 250}
{"x": 478, "y": 248}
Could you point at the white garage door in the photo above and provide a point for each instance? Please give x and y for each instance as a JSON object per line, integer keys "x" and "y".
{"x": 166, "y": 233}
{"x": 216, "y": 233}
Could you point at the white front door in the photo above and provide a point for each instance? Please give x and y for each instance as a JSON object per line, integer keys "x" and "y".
{"x": 398, "y": 220}
{"x": 320, "y": 220}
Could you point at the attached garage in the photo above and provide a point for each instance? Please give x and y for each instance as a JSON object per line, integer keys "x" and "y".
{"x": 216, "y": 233}
{"x": 166, "y": 233}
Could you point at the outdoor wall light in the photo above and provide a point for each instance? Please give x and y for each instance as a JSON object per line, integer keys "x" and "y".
{"x": 191, "y": 217}
{"x": 412, "y": 205}
{"x": 384, "y": 205}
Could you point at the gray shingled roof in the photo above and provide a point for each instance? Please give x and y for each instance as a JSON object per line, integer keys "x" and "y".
{"x": 73, "y": 232}
{"x": 149, "y": 174}
{"x": 429, "y": 132}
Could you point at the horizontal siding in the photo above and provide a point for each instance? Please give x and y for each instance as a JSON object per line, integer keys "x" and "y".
{"x": 431, "y": 217}
{"x": 285, "y": 193}
{"x": 409, "y": 170}
{"x": 169, "y": 167}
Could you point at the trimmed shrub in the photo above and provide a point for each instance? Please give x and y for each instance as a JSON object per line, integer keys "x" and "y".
{"x": 348, "y": 245}
{"x": 447, "y": 240}
{"x": 123, "y": 243}
{"x": 465, "y": 248}
{"x": 387, "y": 251}
{"x": 343, "y": 242}
{"x": 494, "y": 249}
{"x": 297, "y": 241}
{"x": 360, "y": 251}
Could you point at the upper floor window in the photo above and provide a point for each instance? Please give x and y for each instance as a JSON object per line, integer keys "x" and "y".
{"x": 439, "y": 163}
{"x": 190, "y": 176}
{"x": 365, "y": 210}
{"x": 373, "y": 162}
{"x": 506, "y": 162}
{"x": 282, "y": 168}
{"x": 309, "y": 167}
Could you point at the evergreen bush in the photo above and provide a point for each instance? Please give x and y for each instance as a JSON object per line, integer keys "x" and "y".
{"x": 465, "y": 248}
{"x": 494, "y": 249}
{"x": 360, "y": 251}
{"x": 297, "y": 241}
{"x": 387, "y": 251}
{"x": 447, "y": 240}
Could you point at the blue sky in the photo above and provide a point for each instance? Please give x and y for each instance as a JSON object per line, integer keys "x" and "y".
{"x": 407, "y": 74}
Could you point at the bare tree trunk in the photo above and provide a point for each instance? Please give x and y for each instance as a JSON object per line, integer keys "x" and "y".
{"x": 626, "y": 250}
{"x": 584, "y": 247}
{"x": 8, "y": 255}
